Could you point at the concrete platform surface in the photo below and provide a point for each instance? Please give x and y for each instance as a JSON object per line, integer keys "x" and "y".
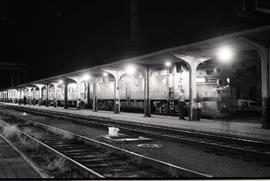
{"x": 12, "y": 165}
{"x": 239, "y": 128}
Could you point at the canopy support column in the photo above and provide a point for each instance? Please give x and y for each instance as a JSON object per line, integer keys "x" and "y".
{"x": 117, "y": 75}
{"x": 94, "y": 94}
{"x": 193, "y": 63}
{"x": 65, "y": 95}
{"x": 147, "y": 103}
{"x": 264, "y": 53}
{"x": 47, "y": 95}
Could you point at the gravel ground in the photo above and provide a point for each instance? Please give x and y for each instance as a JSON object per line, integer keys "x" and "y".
{"x": 12, "y": 165}
{"x": 179, "y": 154}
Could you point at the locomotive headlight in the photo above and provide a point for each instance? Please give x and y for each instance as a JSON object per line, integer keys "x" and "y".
{"x": 200, "y": 80}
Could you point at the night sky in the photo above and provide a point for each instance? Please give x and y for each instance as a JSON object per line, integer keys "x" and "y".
{"x": 53, "y": 37}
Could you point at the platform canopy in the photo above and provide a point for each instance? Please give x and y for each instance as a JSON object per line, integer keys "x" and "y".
{"x": 238, "y": 41}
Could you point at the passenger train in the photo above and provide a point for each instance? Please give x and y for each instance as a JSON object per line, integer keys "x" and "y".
{"x": 213, "y": 90}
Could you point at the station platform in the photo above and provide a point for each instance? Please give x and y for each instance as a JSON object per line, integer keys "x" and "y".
{"x": 12, "y": 165}
{"x": 238, "y": 128}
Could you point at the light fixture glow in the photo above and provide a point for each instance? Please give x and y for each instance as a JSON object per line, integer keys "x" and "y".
{"x": 73, "y": 85}
{"x": 225, "y": 54}
{"x": 105, "y": 74}
{"x": 228, "y": 80}
{"x": 60, "y": 81}
{"x": 86, "y": 77}
{"x": 131, "y": 69}
{"x": 168, "y": 64}
{"x": 200, "y": 80}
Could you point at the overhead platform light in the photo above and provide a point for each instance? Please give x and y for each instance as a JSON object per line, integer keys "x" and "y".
{"x": 131, "y": 69}
{"x": 225, "y": 54}
{"x": 86, "y": 77}
{"x": 168, "y": 64}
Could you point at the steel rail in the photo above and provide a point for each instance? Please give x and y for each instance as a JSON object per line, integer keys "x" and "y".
{"x": 243, "y": 146}
{"x": 104, "y": 121}
{"x": 79, "y": 165}
{"x": 172, "y": 169}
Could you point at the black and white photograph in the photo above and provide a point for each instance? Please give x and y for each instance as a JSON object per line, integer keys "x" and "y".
{"x": 134, "y": 89}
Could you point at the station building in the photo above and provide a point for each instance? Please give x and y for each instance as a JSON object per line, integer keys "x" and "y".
{"x": 152, "y": 83}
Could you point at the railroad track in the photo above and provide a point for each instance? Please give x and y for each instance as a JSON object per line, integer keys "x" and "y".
{"x": 98, "y": 159}
{"x": 252, "y": 150}
{"x": 248, "y": 149}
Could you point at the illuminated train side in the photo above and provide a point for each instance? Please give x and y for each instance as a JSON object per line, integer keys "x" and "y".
{"x": 212, "y": 88}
